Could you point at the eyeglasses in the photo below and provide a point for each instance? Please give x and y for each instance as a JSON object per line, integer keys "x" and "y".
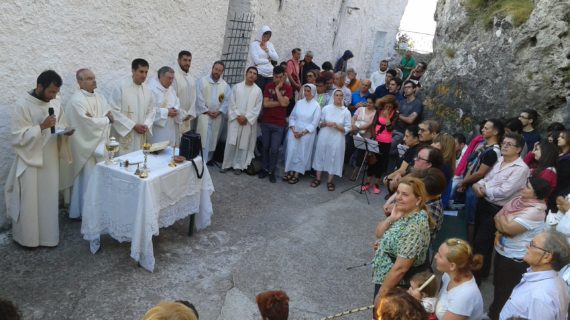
{"x": 420, "y": 158}
{"x": 531, "y": 244}
{"x": 508, "y": 144}
{"x": 523, "y": 117}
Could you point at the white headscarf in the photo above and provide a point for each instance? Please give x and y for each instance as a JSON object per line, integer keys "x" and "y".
{"x": 313, "y": 90}
{"x": 332, "y": 97}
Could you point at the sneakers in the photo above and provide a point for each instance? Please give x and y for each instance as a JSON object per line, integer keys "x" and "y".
{"x": 272, "y": 178}
{"x": 376, "y": 189}
{"x": 365, "y": 187}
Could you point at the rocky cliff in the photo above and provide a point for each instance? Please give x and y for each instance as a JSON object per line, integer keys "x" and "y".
{"x": 501, "y": 66}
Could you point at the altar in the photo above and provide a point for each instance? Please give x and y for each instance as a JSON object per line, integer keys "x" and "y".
{"x": 128, "y": 208}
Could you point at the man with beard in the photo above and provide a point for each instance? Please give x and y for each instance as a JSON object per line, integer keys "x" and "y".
{"x": 213, "y": 95}
{"x": 378, "y": 77}
{"x": 33, "y": 182}
{"x": 185, "y": 87}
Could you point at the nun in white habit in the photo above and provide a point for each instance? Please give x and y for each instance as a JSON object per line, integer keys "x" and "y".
{"x": 303, "y": 123}
{"x": 329, "y": 154}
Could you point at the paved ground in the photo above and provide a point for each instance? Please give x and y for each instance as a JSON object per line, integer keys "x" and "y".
{"x": 263, "y": 236}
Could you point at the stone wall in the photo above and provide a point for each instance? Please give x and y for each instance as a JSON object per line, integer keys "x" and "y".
{"x": 479, "y": 72}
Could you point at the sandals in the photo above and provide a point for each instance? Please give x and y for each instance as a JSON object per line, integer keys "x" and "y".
{"x": 287, "y": 177}
{"x": 293, "y": 180}
{"x": 316, "y": 183}
{"x": 330, "y": 186}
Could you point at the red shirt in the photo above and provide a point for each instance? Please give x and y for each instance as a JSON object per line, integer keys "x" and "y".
{"x": 276, "y": 115}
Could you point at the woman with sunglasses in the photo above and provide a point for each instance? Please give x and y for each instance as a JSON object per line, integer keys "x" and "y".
{"x": 541, "y": 293}
{"x": 517, "y": 223}
{"x": 459, "y": 296}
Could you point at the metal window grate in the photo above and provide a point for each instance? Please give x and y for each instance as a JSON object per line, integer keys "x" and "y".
{"x": 237, "y": 38}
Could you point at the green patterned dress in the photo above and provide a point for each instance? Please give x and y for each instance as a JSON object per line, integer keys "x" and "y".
{"x": 408, "y": 238}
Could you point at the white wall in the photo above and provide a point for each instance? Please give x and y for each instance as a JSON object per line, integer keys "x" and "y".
{"x": 305, "y": 25}
{"x": 66, "y": 35}
{"x": 106, "y": 35}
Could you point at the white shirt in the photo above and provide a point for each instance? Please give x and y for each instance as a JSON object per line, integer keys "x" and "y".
{"x": 540, "y": 295}
{"x": 377, "y": 78}
{"x": 464, "y": 300}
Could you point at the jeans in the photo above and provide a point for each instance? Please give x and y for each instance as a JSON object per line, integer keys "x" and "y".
{"x": 271, "y": 137}
{"x": 471, "y": 205}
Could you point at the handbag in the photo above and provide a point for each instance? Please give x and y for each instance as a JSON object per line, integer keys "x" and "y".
{"x": 190, "y": 148}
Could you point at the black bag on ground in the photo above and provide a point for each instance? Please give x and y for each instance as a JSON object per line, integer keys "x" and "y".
{"x": 190, "y": 148}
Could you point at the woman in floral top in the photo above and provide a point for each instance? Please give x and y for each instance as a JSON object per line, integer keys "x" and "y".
{"x": 404, "y": 237}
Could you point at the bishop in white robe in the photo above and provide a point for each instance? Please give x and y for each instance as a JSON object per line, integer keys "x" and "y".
{"x": 244, "y": 108}
{"x": 32, "y": 185}
{"x": 213, "y": 94}
{"x": 89, "y": 113}
{"x": 132, "y": 104}
{"x": 185, "y": 87}
{"x": 167, "y": 108}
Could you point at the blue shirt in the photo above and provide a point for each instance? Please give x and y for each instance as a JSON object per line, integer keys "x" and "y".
{"x": 356, "y": 98}
{"x": 539, "y": 295}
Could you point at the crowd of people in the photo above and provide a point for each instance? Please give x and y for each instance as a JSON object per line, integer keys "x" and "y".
{"x": 507, "y": 176}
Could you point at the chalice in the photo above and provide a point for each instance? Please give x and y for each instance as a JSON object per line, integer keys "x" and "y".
{"x": 112, "y": 147}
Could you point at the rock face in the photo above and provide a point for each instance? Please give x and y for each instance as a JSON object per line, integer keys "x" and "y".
{"x": 479, "y": 72}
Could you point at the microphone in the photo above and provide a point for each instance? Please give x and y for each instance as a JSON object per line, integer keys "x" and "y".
{"x": 51, "y": 113}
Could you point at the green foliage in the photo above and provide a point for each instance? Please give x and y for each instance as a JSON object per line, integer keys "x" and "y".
{"x": 403, "y": 43}
{"x": 486, "y": 10}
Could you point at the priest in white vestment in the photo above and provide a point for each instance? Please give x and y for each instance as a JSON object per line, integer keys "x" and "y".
{"x": 32, "y": 185}
{"x": 303, "y": 123}
{"x": 132, "y": 104}
{"x": 329, "y": 153}
{"x": 88, "y": 112}
{"x": 168, "y": 115}
{"x": 245, "y": 104}
{"x": 185, "y": 87}
{"x": 213, "y": 94}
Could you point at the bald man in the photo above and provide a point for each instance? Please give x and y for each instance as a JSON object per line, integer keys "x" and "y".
{"x": 88, "y": 112}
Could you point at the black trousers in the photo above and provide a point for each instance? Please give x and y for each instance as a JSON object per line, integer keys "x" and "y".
{"x": 483, "y": 240}
{"x": 507, "y": 273}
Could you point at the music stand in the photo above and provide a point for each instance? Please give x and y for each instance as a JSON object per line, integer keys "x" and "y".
{"x": 369, "y": 146}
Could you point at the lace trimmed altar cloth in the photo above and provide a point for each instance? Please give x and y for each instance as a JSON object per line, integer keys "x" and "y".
{"x": 129, "y": 208}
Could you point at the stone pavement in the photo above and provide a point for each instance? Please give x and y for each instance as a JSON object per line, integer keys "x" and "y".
{"x": 263, "y": 236}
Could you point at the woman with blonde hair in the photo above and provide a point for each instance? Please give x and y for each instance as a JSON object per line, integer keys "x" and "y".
{"x": 168, "y": 310}
{"x": 404, "y": 238}
{"x": 459, "y": 297}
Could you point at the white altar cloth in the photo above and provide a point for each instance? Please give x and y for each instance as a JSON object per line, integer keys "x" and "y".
{"x": 129, "y": 208}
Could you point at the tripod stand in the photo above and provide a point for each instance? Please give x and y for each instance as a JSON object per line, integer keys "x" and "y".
{"x": 369, "y": 146}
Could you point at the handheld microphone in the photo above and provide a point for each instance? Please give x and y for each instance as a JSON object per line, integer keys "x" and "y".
{"x": 51, "y": 113}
